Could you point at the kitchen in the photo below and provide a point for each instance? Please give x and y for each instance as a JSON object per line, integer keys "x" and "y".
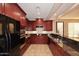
{"x": 24, "y": 26}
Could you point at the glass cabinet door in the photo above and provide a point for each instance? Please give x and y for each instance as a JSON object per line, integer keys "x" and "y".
{"x": 0, "y": 28}
{"x": 11, "y": 27}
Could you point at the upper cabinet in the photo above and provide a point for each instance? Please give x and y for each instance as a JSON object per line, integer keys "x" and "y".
{"x": 40, "y": 21}
{"x": 14, "y": 11}
{"x": 0, "y": 8}
{"x": 47, "y": 25}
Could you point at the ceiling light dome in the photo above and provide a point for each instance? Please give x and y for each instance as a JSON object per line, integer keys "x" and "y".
{"x": 38, "y": 11}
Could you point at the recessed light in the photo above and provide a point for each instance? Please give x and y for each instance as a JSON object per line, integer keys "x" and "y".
{"x": 17, "y": 13}
{"x": 55, "y": 14}
{"x": 60, "y": 15}
{"x": 22, "y": 17}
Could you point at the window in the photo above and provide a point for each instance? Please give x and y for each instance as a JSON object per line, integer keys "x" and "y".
{"x": 73, "y": 29}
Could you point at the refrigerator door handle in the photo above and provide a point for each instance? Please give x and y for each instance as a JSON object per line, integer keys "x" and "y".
{"x": 6, "y": 36}
{"x": 9, "y": 40}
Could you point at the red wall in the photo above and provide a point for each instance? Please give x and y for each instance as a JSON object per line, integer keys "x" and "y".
{"x": 14, "y": 11}
{"x": 47, "y": 24}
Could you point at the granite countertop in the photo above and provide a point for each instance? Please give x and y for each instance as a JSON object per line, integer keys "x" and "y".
{"x": 74, "y": 38}
{"x": 41, "y": 32}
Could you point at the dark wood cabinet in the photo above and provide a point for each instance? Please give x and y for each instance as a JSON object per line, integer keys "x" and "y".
{"x": 56, "y": 49}
{"x": 46, "y": 24}
{"x": 12, "y": 19}
{"x": 0, "y": 7}
{"x": 13, "y": 11}
{"x": 38, "y": 39}
{"x": 9, "y": 34}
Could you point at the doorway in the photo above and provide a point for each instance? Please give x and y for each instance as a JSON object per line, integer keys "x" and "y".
{"x": 60, "y": 28}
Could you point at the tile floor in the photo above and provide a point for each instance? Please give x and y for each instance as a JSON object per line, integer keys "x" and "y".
{"x": 38, "y": 50}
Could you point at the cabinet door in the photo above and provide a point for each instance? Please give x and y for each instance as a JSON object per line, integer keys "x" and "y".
{"x": 0, "y": 8}
{"x": 1, "y": 37}
{"x": 2, "y": 34}
{"x": 39, "y": 39}
{"x": 0, "y": 28}
{"x": 13, "y": 32}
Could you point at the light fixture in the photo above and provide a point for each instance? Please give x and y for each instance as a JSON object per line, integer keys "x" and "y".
{"x": 55, "y": 14}
{"x": 22, "y": 17}
{"x": 38, "y": 11}
{"x": 17, "y": 13}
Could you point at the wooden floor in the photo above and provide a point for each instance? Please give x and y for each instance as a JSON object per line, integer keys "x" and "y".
{"x": 38, "y": 50}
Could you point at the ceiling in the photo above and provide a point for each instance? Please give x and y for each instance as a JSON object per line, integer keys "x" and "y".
{"x": 48, "y": 11}
{"x": 73, "y": 14}
{"x": 30, "y": 9}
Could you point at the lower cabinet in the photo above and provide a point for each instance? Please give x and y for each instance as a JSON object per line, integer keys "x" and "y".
{"x": 56, "y": 49}
{"x": 38, "y": 39}
{"x": 24, "y": 46}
